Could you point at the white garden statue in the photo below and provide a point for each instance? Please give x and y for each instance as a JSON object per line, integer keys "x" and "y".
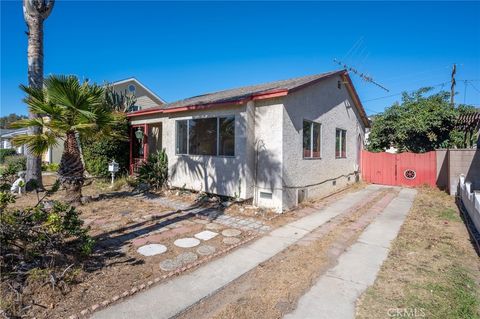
{"x": 19, "y": 185}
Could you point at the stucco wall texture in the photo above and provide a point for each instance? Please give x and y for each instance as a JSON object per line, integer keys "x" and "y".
{"x": 333, "y": 108}
{"x": 463, "y": 161}
{"x": 268, "y": 165}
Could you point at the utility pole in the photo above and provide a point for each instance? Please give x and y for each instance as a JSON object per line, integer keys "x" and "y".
{"x": 452, "y": 87}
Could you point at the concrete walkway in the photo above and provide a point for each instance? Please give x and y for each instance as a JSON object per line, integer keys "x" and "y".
{"x": 335, "y": 293}
{"x": 176, "y": 295}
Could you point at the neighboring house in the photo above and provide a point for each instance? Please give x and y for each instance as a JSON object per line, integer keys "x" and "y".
{"x": 469, "y": 124}
{"x": 52, "y": 155}
{"x": 278, "y": 143}
{"x": 145, "y": 98}
{"x": 6, "y": 136}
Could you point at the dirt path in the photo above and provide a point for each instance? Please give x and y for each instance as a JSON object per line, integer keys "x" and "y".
{"x": 273, "y": 288}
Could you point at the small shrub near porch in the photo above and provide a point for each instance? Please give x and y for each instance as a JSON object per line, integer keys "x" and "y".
{"x": 155, "y": 171}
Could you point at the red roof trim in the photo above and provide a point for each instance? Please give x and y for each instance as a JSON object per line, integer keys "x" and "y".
{"x": 203, "y": 106}
{"x": 269, "y": 95}
{"x": 258, "y": 96}
{"x": 261, "y": 96}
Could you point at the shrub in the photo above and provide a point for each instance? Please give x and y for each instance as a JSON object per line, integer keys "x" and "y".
{"x": 6, "y": 152}
{"x": 155, "y": 171}
{"x": 37, "y": 240}
{"x": 16, "y": 162}
{"x": 98, "y": 152}
{"x": 50, "y": 167}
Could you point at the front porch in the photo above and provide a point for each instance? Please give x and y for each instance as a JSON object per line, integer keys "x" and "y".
{"x": 145, "y": 139}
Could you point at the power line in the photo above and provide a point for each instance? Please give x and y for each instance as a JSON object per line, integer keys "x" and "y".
{"x": 392, "y": 95}
{"x": 416, "y": 73}
{"x": 474, "y": 87}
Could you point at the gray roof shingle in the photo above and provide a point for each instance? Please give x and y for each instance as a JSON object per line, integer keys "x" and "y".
{"x": 237, "y": 94}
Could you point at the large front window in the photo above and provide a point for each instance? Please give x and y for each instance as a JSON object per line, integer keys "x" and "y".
{"x": 209, "y": 136}
{"x": 311, "y": 139}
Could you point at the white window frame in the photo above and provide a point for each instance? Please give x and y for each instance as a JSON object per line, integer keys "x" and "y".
{"x": 311, "y": 140}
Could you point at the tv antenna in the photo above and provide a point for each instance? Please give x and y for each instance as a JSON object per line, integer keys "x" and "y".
{"x": 362, "y": 75}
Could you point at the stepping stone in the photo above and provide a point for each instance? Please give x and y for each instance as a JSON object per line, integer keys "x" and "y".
{"x": 206, "y": 235}
{"x": 231, "y": 232}
{"x": 213, "y": 226}
{"x": 206, "y": 250}
{"x": 152, "y": 249}
{"x": 186, "y": 258}
{"x": 170, "y": 264}
{"x": 231, "y": 240}
{"x": 186, "y": 242}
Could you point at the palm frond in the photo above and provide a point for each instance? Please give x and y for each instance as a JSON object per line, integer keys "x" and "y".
{"x": 38, "y": 143}
{"x": 37, "y": 122}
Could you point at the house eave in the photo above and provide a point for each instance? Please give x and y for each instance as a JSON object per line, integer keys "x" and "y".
{"x": 195, "y": 107}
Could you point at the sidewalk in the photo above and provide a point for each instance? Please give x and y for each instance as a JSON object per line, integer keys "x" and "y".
{"x": 335, "y": 293}
{"x": 169, "y": 299}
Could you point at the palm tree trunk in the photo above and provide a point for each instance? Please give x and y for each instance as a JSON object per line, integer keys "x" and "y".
{"x": 71, "y": 170}
{"x": 35, "y": 79}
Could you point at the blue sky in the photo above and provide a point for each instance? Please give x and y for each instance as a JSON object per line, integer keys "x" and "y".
{"x": 181, "y": 49}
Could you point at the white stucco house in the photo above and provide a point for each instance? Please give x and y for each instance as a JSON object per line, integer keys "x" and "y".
{"x": 277, "y": 143}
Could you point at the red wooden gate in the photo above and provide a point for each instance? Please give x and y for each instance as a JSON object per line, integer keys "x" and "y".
{"x": 403, "y": 169}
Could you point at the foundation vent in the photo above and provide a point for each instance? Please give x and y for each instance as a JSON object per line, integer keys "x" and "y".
{"x": 301, "y": 195}
{"x": 265, "y": 195}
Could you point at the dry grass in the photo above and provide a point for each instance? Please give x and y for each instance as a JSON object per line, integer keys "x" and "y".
{"x": 273, "y": 288}
{"x": 432, "y": 267}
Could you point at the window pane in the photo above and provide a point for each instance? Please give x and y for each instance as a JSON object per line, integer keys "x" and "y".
{"x": 344, "y": 143}
{"x": 307, "y": 139}
{"x": 227, "y": 136}
{"x": 203, "y": 136}
{"x": 337, "y": 143}
{"x": 181, "y": 137}
{"x": 316, "y": 140}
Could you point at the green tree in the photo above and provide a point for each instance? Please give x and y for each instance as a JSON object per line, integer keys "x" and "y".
{"x": 69, "y": 109}
{"x": 98, "y": 151}
{"x": 5, "y": 121}
{"x": 420, "y": 123}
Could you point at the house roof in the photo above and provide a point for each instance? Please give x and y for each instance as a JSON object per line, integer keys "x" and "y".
{"x": 9, "y": 133}
{"x": 253, "y": 92}
{"x": 469, "y": 121}
{"x": 159, "y": 100}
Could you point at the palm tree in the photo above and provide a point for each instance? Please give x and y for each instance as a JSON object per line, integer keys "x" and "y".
{"x": 35, "y": 12}
{"x": 66, "y": 109}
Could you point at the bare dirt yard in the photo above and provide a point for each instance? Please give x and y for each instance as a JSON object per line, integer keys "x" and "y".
{"x": 432, "y": 271}
{"x": 124, "y": 222}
